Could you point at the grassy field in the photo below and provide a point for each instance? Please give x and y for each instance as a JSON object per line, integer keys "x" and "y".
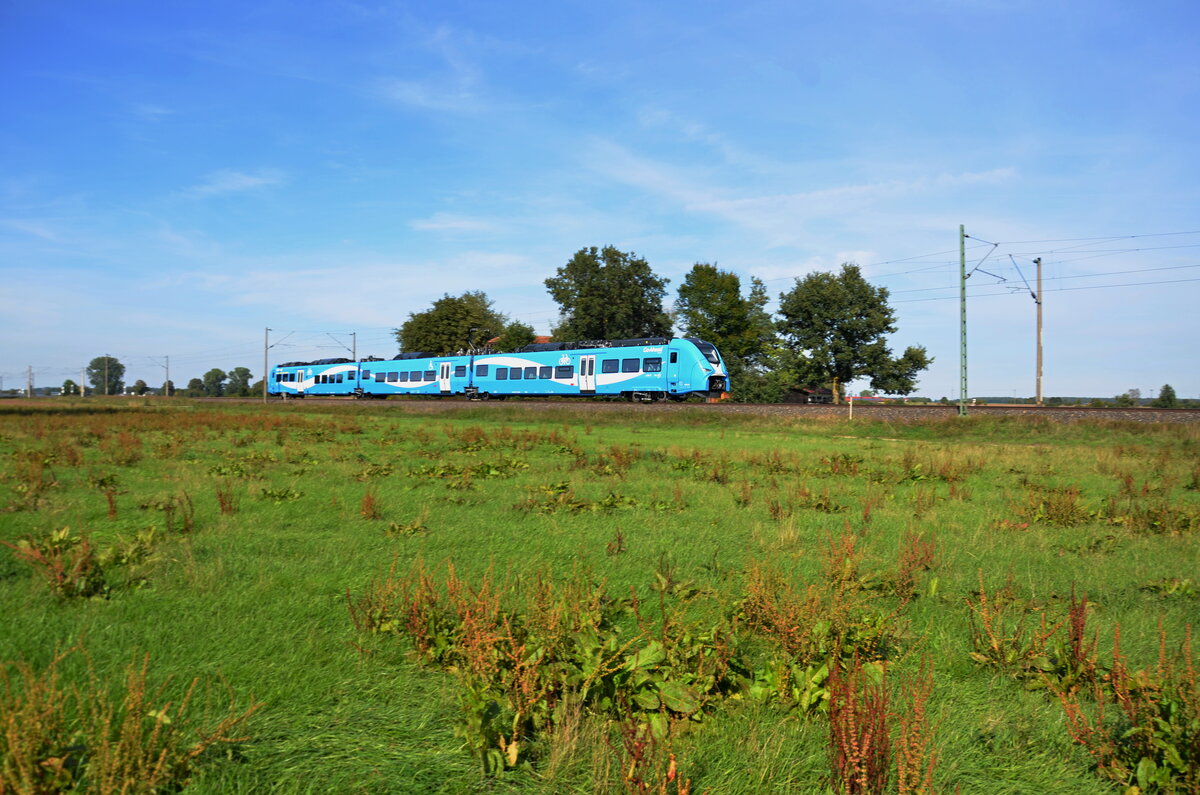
{"x": 490, "y": 598}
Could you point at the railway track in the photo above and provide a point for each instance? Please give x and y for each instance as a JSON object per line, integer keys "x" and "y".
{"x": 887, "y": 413}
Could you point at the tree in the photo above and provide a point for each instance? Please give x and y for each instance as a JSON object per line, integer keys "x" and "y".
{"x": 1166, "y": 398}
{"x": 239, "y": 382}
{"x": 710, "y": 306}
{"x": 451, "y": 325}
{"x": 168, "y": 388}
{"x": 69, "y": 387}
{"x": 608, "y": 294}
{"x": 516, "y": 336}
{"x": 836, "y": 325}
{"x": 214, "y": 383}
{"x": 1126, "y": 400}
{"x": 104, "y": 373}
{"x": 195, "y": 388}
{"x": 140, "y": 387}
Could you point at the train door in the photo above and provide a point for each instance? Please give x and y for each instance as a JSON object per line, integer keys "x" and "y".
{"x": 672, "y": 369}
{"x": 444, "y": 377}
{"x": 587, "y": 374}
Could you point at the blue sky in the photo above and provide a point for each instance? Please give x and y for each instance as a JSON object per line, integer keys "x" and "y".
{"x": 174, "y": 177}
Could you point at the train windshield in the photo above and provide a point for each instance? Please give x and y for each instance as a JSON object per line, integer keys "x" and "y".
{"x": 710, "y": 352}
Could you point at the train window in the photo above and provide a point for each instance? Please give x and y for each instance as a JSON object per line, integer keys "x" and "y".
{"x": 414, "y": 376}
{"x": 545, "y": 372}
{"x": 339, "y": 378}
{"x": 430, "y": 375}
{"x": 481, "y": 370}
{"x": 501, "y": 373}
{"x": 652, "y": 365}
{"x": 709, "y": 352}
{"x": 366, "y": 374}
{"x": 380, "y": 377}
{"x": 530, "y": 373}
{"x": 610, "y": 366}
{"x": 393, "y": 377}
{"x": 564, "y": 371}
{"x": 403, "y": 376}
{"x": 460, "y": 371}
{"x": 350, "y": 376}
{"x": 514, "y": 373}
{"x": 674, "y": 357}
{"x": 630, "y": 365}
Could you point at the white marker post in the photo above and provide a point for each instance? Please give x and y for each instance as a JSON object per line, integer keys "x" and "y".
{"x": 851, "y": 399}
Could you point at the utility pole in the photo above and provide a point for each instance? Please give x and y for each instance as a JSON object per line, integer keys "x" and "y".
{"x": 354, "y": 356}
{"x": 82, "y": 382}
{"x": 106, "y": 358}
{"x": 29, "y": 382}
{"x": 962, "y": 302}
{"x": 266, "y": 339}
{"x": 1039, "y": 332}
{"x": 166, "y": 389}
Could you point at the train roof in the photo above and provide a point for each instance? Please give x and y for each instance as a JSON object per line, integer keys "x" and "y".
{"x": 537, "y": 347}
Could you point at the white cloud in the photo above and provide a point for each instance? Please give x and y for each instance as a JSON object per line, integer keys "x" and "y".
{"x": 229, "y": 181}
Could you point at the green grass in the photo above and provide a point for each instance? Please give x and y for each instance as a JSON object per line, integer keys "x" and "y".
{"x": 257, "y": 598}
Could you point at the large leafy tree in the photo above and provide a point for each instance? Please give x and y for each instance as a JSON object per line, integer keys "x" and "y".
{"x": 239, "y": 382}
{"x": 711, "y": 306}
{"x": 1166, "y": 398}
{"x": 214, "y": 382}
{"x": 195, "y": 388}
{"x": 837, "y": 324}
{"x": 104, "y": 373}
{"x": 516, "y": 336}
{"x": 69, "y": 387}
{"x": 452, "y": 324}
{"x": 608, "y": 294}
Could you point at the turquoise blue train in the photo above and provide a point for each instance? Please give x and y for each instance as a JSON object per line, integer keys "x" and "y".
{"x": 645, "y": 370}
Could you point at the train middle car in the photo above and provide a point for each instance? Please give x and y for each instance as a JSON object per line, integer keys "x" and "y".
{"x": 646, "y": 370}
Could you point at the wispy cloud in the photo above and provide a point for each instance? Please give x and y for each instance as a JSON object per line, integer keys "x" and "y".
{"x": 151, "y": 113}
{"x": 229, "y": 181}
{"x": 779, "y": 216}
{"x": 30, "y": 227}
{"x": 447, "y": 222}
{"x": 455, "y": 87}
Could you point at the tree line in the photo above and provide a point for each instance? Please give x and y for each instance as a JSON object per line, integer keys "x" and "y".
{"x": 830, "y": 328}
{"x": 106, "y": 375}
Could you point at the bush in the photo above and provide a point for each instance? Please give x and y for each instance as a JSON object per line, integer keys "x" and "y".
{"x": 56, "y": 736}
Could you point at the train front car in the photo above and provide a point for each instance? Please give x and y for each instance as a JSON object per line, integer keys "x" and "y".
{"x": 701, "y": 370}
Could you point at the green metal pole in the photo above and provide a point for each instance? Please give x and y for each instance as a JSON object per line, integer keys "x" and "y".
{"x": 962, "y": 303}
